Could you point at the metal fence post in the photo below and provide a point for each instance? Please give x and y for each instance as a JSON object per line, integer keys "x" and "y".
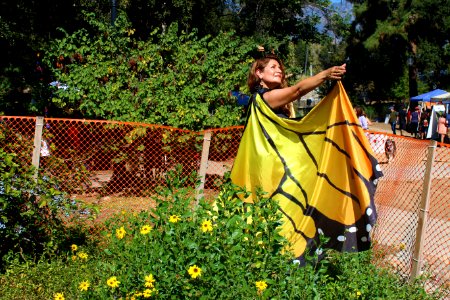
{"x": 37, "y": 145}
{"x": 417, "y": 259}
{"x": 203, "y": 164}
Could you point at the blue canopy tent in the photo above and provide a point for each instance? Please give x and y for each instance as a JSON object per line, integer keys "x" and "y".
{"x": 427, "y": 96}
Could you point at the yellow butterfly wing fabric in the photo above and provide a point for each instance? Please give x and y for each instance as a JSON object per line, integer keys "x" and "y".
{"x": 321, "y": 170}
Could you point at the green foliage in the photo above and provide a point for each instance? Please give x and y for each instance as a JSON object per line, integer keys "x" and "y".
{"x": 171, "y": 79}
{"x": 398, "y": 43}
{"x": 32, "y": 213}
{"x": 353, "y": 276}
{"x": 29, "y": 27}
{"x": 183, "y": 249}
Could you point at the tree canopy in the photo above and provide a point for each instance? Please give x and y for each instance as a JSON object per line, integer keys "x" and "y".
{"x": 399, "y": 48}
{"x": 174, "y": 63}
{"x": 172, "y": 78}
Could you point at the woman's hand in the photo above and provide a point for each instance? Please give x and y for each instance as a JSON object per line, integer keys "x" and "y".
{"x": 336, "y": 72}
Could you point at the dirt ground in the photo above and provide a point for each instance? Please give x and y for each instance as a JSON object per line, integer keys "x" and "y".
{"x": 380, "y": 127}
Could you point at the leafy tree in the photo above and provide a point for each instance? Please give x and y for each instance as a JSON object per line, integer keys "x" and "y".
{"x": 205, "y": 17}
{"x": 394, "y": 39}
{"x": 26, "y": 27}
{"x": 29, "y": 26}
{"x": 171, "y": 79}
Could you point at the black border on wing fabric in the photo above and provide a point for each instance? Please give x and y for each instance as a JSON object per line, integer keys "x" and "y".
{"x": 280, "y": 190}
{"x": 376, "y": 174}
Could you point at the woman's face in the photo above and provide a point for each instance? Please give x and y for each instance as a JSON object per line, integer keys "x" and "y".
{"x": 271, "y": 76}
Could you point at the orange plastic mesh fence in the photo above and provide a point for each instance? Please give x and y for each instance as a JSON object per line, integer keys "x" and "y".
{"x": 398, "y": 198}
{"x": 110, "y": 158}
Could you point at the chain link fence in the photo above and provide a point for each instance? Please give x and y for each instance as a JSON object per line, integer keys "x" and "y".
{"x": 120, "y": 159}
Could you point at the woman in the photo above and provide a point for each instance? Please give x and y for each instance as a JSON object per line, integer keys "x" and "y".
{"x": 320, "y": 169}
{"x": 267, "y": 78}
{"x": 362, "y": 118}
{"x": 442, "y": 126}
{"x": 423, "y": 126}
{"x": 402, "y": 119}
{"x": 415, "y": 117}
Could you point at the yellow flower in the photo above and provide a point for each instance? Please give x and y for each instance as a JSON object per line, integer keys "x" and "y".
{"x": 194, "y": 271}
{"x": 112, "y": 282}
{"x": 402, "y": 246}
{"x": 74, "y": 247}
{"x": 84, "y": 285}
{"x": 120, "y": 233}
{"x": 358, "y": 293}
{"x": 207, "y": 226}
{"x": 83, "y": 255}
{"x": 146, "y": 229}
{"x": 261, "y": 285}
{"x": 58, "y": 296}
{"x": 74, "y": 257}
{"x": 149, "y": 281}
{"x": 174, "y": 218}
{"x": 147, "y": 293}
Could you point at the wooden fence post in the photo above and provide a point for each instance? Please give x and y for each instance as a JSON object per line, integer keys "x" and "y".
{"x": 203, "y": 164}
{"x": 417, "y": 259}
{"x": 37, "y": 145}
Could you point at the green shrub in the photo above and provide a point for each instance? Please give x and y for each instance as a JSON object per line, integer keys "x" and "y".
{"x": 182, "y": 249}
{"x": 171, "y": 78}
{"x": 32, "y": 212}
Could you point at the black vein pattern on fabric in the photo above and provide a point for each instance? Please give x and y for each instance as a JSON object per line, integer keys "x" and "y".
{"x": 287, "y": 173}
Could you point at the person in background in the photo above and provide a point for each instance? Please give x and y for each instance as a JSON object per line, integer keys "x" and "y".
{"x": 241, "y": 98}
{"x": 393, "y": 119}
{"x": 369, "y": 123}
{"x": 423, "y": 126}
{"x": 402, "y": 115}
{"x": 362, "y": 118}
{"x": 442, "y": 126}
{"x": 448, "y": 122}
{"x": 415, "y": 117}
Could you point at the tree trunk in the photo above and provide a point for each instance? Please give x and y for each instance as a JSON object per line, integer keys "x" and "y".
{"x": 412, "y": 71}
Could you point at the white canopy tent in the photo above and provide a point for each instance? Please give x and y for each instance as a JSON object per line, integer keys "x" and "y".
{"x": 445, "y": 98}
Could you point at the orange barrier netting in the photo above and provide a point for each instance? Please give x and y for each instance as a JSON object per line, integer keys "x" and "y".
{"x": 111, "y": 158}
